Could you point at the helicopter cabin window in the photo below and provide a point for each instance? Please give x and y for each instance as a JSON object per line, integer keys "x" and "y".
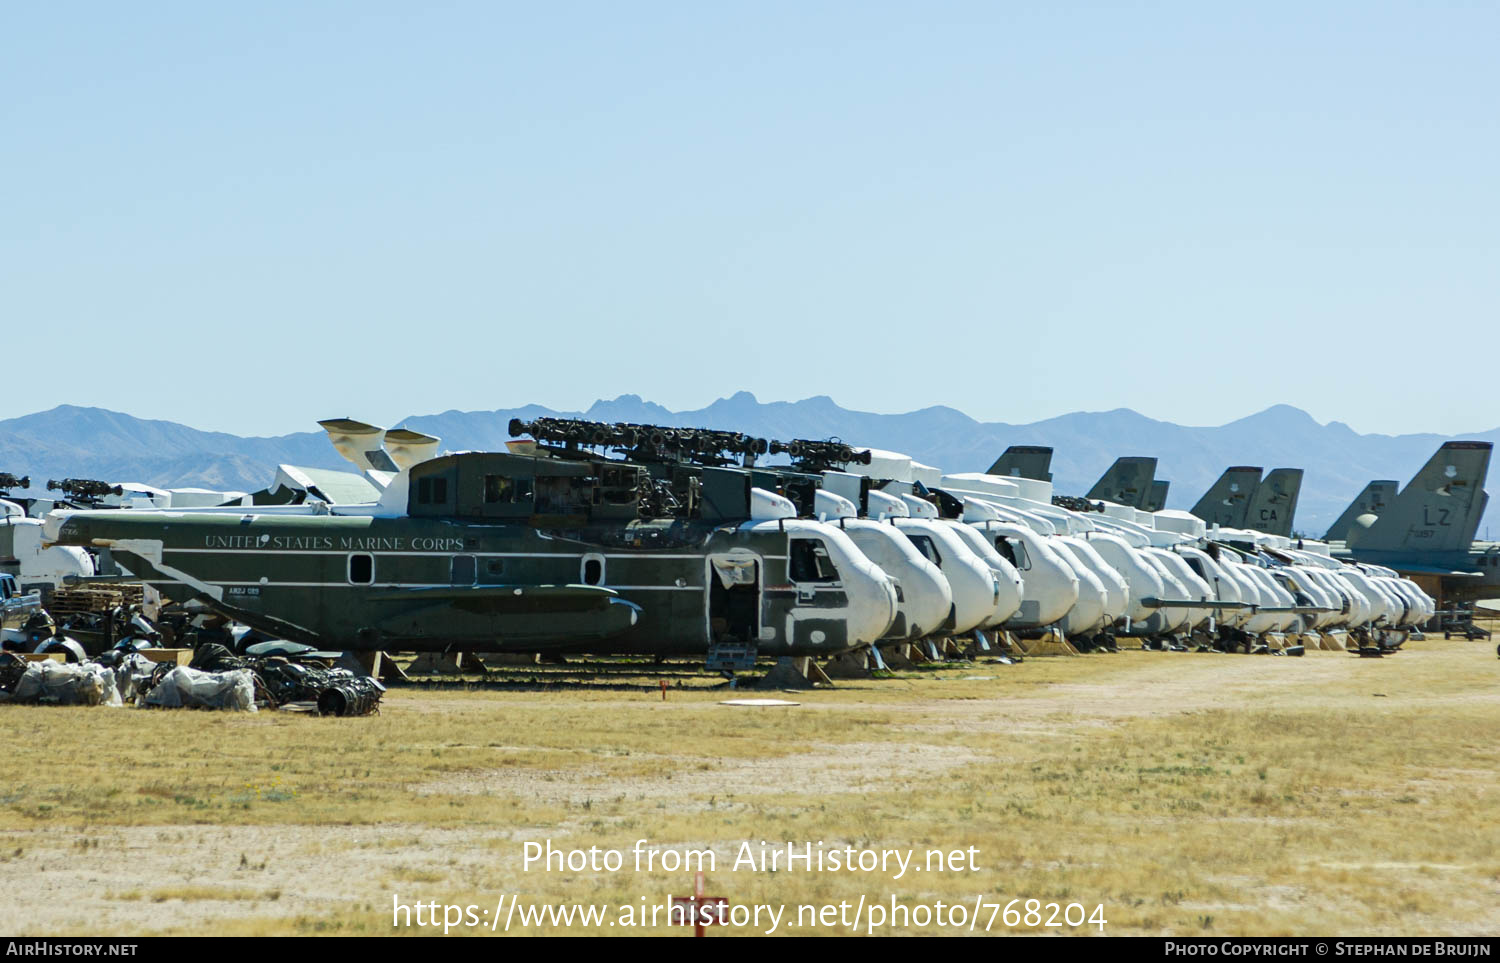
{"x": 504, "y": 490}
{"x": 432, "y": 490}
{"x": 563, "y": 494}
{"x": 361, "y": 569}
{"x": 463, "y": 570}
{"x": 619, "y": 485}
{"x": 1014, "y": 551}
{"x": 593, "y": 570}
{"x": 809, "y": 562}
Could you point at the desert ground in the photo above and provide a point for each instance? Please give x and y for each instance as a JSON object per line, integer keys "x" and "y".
{"x": 1185, "y": 793}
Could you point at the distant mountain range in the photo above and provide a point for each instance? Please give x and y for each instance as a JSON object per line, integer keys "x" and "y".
{"x": 69, "y": 441}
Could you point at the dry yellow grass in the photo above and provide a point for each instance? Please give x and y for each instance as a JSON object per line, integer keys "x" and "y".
{"x": 1187, "y": 793}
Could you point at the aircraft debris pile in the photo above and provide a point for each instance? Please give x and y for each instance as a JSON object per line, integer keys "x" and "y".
{"x": 1075, "y": 504}
{"x": 216, "y": 679}
{"x": 278, "y": 681}
{"x": 56, "y": 683}
{"x": 182, "y": 687}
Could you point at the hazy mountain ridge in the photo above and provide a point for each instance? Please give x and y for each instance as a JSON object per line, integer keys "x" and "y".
{"x": 69, "y": 441}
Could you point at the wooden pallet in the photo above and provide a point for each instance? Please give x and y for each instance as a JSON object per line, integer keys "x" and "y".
{"x": 93, "y": 599}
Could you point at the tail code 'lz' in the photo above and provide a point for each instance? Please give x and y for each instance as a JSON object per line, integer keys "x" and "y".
{"x": 1439, "y": 509}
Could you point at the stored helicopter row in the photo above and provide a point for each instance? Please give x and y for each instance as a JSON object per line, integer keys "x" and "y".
{"x": 591, "y": 537}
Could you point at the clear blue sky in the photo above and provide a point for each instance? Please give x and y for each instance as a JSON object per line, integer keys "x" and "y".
{"x": 250, "y": 216}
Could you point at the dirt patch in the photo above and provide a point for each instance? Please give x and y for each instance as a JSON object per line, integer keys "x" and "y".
{"x": 150, "y": 878}
{"x": 856, "y": 768}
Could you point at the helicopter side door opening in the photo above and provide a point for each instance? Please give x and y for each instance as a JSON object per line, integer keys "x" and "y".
{"x": 734, "y": 600}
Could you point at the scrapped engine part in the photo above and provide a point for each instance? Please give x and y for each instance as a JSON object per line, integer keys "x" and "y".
{"x": 817, "y": 456}
{"x": 84, "y": 491}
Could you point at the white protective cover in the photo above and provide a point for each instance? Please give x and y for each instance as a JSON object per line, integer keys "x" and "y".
{"x": 829, "y": 506}
{"x": 1278, "y": 596}
{"x": 1223, "y": 586}
{"x": 970, "y": 580}
{"x": 883, "y": 506}
{"x": 1141, "y": 577}
{"x": 919, "y": 507}
{"x": 1089, "y": 613}
{"x": 926, "y": 595}
{"x": 1117, "y": 605}
{"x": 926, "y": 474}
{"x": 980, "y": 483}
{"x": 1050, "y": 588}
{"x": 189, "y": 688}
{"x": 1008, "y": 599}
{"x": 842, "y": 483}
{"x": 870, "y": 595}
{"x": 1184, "y": 523}
{"x": 768, "y": 506}
{"x": 890, "y": 465}
{"x": 40, "y": 562}
{"x": 1173, "y": 587}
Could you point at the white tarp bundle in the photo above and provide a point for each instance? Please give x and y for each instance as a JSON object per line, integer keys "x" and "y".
{"x": 185, "y": 687}
{"x": 84, "y": 683}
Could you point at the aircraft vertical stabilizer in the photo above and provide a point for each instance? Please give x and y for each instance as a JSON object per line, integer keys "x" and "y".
{"x": 1372, "y": 501}
{"x": 1025, "y": 461}
{"x": 1127, "y": 482}
{"x": 1227, "y": 501}
{"x": 1275, "y": 502}
{"x": 1157, "y": 500}
{"x": 1439, "y": 509}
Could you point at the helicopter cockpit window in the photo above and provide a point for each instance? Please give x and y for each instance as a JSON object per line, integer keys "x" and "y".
{"x": 809, "y": 562}
{"x": 432, "y": 490}
{"x": 1015, "y": 550}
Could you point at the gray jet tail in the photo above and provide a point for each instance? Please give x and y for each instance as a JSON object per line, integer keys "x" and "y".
{"x": 1157, "y": 500}
{"x": 1439, "y": 509}
{"x": 1024, "y": 461}
{"x": 1275, "y": 502}
{"x": 1227, "y": 501}
{"x": 1127, "y": 482}
{"x": 1372, "y": 501}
